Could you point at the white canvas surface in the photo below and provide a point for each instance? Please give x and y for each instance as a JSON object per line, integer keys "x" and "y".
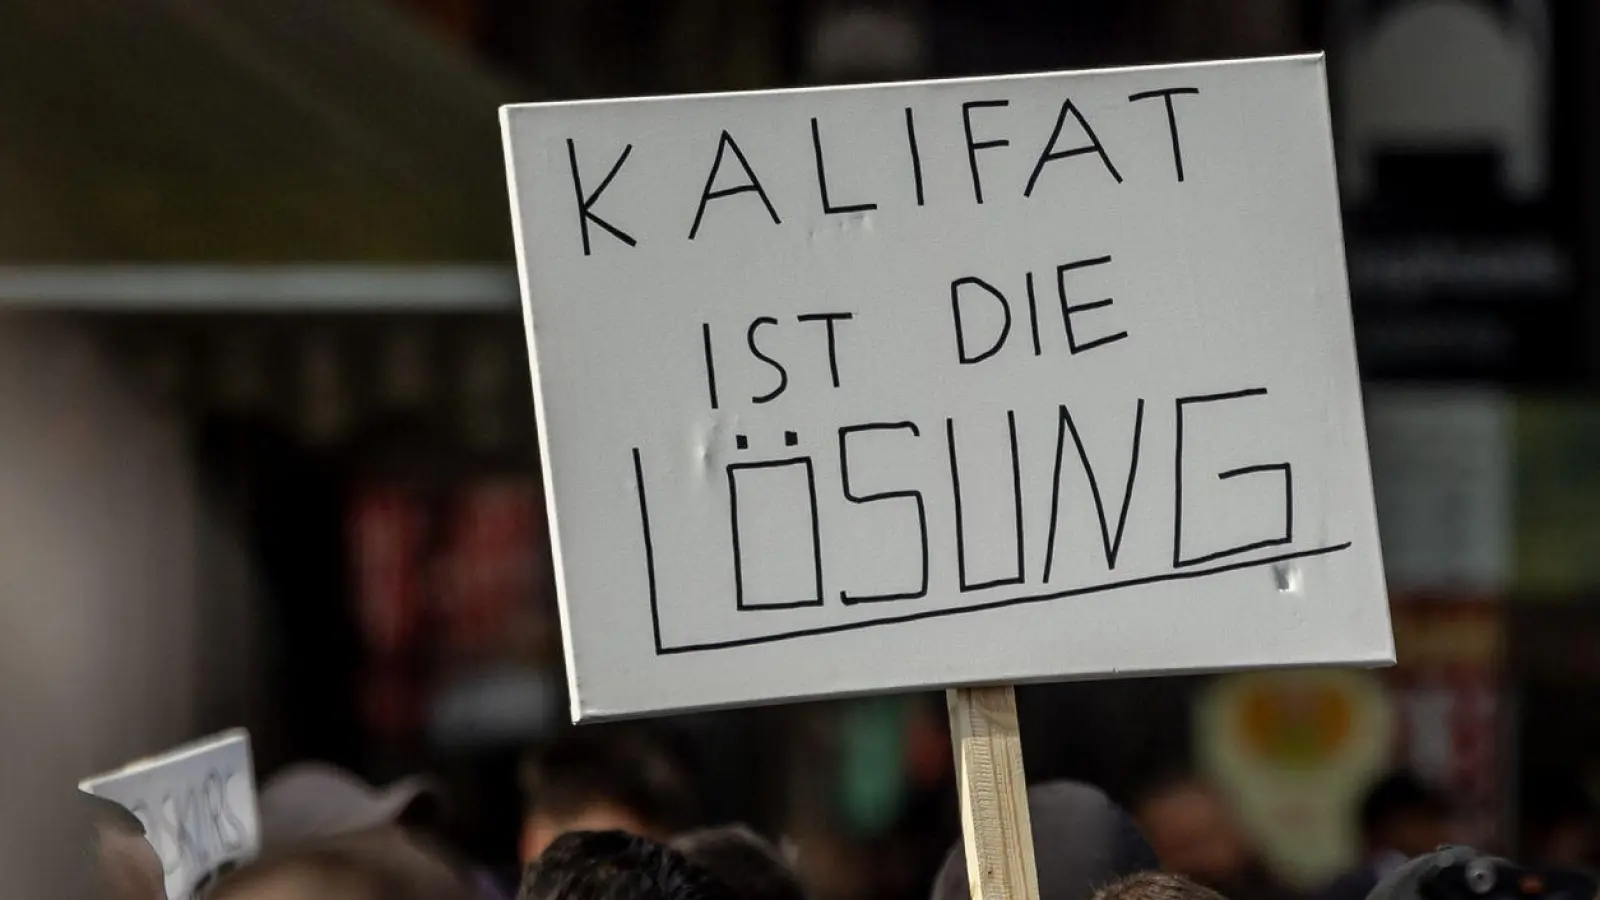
{"x": 664, "y": 293}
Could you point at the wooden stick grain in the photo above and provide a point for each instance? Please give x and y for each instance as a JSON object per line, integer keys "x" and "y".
{"x": 994, "y": 795}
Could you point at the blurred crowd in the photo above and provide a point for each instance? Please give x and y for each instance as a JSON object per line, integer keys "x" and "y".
{"x": 612, "y": 814}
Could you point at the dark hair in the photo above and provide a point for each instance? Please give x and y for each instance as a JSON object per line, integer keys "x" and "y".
{"x": 369, "y": 866}
{"x": 617, "y": 765}
{"x": 1400, "y": 793}
{"x": 1552, "y": 798}
{"x": 1156, "y": 886}
{"x": 612, "y": 865}
{"x": 744, "y": 861}
{"x": 1084, "y": 841}
{"x": 1163, "y": 784}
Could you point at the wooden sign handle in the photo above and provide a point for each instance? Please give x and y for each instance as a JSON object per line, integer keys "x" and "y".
{"x": 994, "y": 793}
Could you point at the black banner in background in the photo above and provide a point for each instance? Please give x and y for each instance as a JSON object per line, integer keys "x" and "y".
{"x": 1458, "y": 126}
{"x": 1461, "y": 129}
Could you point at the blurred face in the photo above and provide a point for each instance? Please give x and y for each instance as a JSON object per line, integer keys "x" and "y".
{"x": 1193, "y": 834}
{"x": 1414, "y": 834}
{"x": 1570, "y": 844}
{"x": 539, "y": 831}
{"x": 303, "y": 884}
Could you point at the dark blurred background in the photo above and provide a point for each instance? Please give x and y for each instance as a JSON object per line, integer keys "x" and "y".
{"x": 264, "y": 398}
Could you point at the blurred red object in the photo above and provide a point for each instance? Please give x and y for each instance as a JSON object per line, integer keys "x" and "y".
{"x": 388, "y": 526}
{"x": 392, "y": 700}
{"x": 1447, "y": 689}
{"x": 489, "y": 571}
{"x": 456, "y": 19}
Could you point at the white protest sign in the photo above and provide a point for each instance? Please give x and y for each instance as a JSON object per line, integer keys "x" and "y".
{"x": 198, "y": 806}
{"x": 983, "y": 381}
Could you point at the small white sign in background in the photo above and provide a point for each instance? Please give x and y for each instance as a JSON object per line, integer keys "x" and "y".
{"x": 984, "y": 381}
{"x": 198, "y": 806}
{"x": 1443, "y": 463}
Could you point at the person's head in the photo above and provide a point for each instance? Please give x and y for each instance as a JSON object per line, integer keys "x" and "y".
{"x": 1560, "y": 821}
{"x": 614, "y": 865}
{"x": 1193, "y": 830}
{"x": 1081, "y": 843}
{"x": 742, "y": 860}
{"x": 312, "y": 801}
{"x": 1156, "y": 886}
{"x": 371, "y": 866}
{"x": 599, "y": 778}
{"x": 128, "y": 867}
{"x": 1403, "y": 814}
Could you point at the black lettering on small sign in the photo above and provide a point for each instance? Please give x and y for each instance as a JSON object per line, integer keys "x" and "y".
{"x": 194, "y": 827}
{"x": 209, "y": 881}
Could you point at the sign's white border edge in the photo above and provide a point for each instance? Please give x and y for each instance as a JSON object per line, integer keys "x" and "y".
{"x": 1317, "y": 57}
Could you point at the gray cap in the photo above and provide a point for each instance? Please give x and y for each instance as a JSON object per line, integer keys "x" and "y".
{"x": 308, "y": 801}
{"x": 1081, "y": 842}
